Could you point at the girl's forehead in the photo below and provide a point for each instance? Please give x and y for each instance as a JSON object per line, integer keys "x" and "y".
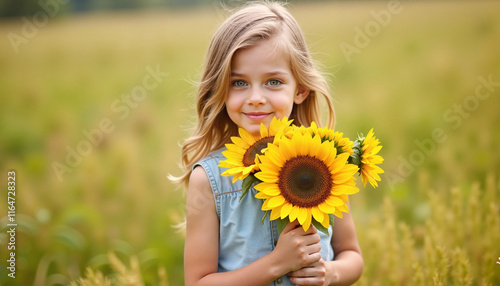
{"x": 265, "y": 53}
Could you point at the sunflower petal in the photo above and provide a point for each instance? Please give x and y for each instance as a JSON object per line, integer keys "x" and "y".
{"x": 294, "y": 213}
{"x": 286, "y": 209}
{"x": 247, "y": 137}
{"x": 275, "y": 213}
{"x": 307, "y": 222}
{"x": 334, "y": 201}
{"x": 326, "y": 208}
{"x": 326, "y": 220}
{"x": 276, "y": 201}
{"x": 317, "y": 214}
{"x": 302, "y": 216}
{"x": 263, "y": 130}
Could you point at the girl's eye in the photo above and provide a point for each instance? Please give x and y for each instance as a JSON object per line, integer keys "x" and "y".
{"x": 274, "y": 82}
{"x": 239, "y": 83}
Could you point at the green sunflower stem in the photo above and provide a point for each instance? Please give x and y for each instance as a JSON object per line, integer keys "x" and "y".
{"x": 264, "y": 217}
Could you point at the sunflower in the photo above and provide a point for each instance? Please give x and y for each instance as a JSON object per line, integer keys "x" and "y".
{"x": 343, "y": 144}
{"x": 242, "y": 155}
{"x": 369, "y": 159}
{"x": 305, "y": 179}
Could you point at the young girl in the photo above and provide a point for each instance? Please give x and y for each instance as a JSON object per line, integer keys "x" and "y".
{"x": 258, "y": 67}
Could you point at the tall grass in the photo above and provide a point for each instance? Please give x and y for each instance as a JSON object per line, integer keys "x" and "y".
{"x": 437, "y": 224}
{"x": 455, "y": 245}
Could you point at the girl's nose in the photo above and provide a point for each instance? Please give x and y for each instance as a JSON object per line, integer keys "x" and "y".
{"x": 256, "y": 96}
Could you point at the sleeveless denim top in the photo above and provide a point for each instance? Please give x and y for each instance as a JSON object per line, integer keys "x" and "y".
{"x": 243, "y": 237}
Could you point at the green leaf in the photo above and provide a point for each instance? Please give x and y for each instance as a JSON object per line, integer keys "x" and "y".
{"x": 332, "y": 218}
{"x": 248, "y": 182}
{"x": 319, "y": 226}
{"x": 281, "y": 223}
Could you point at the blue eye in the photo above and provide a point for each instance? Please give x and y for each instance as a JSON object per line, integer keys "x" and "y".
{"x": 274, "y": 82}
{"x": 239, "y": 83}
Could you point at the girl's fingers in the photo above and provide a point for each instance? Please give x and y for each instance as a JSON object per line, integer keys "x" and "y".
{"x": 314, "y": 248}
{"x": 290, "y": 226}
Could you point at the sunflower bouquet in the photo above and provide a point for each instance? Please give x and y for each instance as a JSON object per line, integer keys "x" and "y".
{"x": 302, "y": 173}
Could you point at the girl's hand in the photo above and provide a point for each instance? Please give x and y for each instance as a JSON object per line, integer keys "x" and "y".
{"x": 297, "y": 248}
{"x": 314, "y": 274}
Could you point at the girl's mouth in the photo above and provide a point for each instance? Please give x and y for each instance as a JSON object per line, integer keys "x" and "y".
{"x": 257, "y": 116}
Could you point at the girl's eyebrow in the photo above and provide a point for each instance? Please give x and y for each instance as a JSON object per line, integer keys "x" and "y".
{"x": 273, "y": 73}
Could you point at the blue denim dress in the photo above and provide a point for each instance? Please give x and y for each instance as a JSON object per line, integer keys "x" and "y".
{"x": 243, "y": 238}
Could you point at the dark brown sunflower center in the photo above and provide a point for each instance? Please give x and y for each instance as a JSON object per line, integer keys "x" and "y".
{"x": 256, "y": 149}
{"x": 305, "y": 181}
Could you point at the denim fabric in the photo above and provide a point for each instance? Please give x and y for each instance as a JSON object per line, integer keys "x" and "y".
{"x": 243, "y": 237}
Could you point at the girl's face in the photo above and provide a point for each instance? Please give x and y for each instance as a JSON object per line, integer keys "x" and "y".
{"x": 261, "y": 86}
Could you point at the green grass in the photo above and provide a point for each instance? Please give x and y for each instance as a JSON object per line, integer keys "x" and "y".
{"x": 437, "y": 224}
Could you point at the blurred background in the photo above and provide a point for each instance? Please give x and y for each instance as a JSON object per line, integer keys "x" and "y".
{"x": 96, "y": 96}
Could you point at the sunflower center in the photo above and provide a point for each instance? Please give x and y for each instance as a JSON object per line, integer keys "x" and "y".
{"x": 305, "y": 181}
{"x": 256, "y": 149}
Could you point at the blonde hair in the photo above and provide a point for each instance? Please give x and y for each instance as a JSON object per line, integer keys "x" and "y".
{"x": 245, "y": 28}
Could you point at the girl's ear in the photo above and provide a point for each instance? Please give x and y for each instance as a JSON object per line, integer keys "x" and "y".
{"x": 302, "y": 93}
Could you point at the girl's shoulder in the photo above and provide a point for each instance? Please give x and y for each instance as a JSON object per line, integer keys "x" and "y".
{"x": 213, "y": 171}
{"x": 212, "y": 158}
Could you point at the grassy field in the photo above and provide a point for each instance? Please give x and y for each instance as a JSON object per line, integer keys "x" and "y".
{"x": 93, "y": 108}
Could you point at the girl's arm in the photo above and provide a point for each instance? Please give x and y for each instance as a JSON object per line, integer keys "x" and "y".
{"x": 347, "y": 266}
{"x": 295, "y": 248}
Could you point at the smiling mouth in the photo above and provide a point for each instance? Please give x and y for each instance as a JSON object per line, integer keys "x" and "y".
{"x": 257, "y": 115}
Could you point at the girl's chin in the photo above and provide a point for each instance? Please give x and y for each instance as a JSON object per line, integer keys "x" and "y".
{"x": 254, "y": 129}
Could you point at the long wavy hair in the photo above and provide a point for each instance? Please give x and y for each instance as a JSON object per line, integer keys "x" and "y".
{"x": 248, "y": 26}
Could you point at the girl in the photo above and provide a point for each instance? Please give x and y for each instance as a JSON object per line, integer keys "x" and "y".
{"x": 258, "y": 67}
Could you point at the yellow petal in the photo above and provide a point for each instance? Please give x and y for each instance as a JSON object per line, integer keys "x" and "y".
{"x": 275, "y": 213}
{"x": 294, "y": 213}
{"x": 307, "y": 222}
{"x": 286, "y": 209}
{"x": 272, "y": 190}
{"x": 344, "y": 208}
{"x": 326, "y": 208}
{"x": 317, "y": 214}
{"x": 261, "y": 195}
{"x": 265, "y": 205}
{"x": 326, "y": 220}
{"x": 302, "y": 216}
{"x": 339, "y": 163}
{"x": 266, "y": 177}
{"x": 334, "y": 201}
{"x": 274, "y": 156}
{"x": 276, "y": 201}
{"x": 338, "y": 213}
{"x": 240, "y": 142}
{"x": 345, "y": 174}
{"x": 263, "y": 130}
{"x": 247, "y": 137}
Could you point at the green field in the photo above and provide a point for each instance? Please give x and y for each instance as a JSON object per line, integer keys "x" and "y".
{"x": 93, "y": 108}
